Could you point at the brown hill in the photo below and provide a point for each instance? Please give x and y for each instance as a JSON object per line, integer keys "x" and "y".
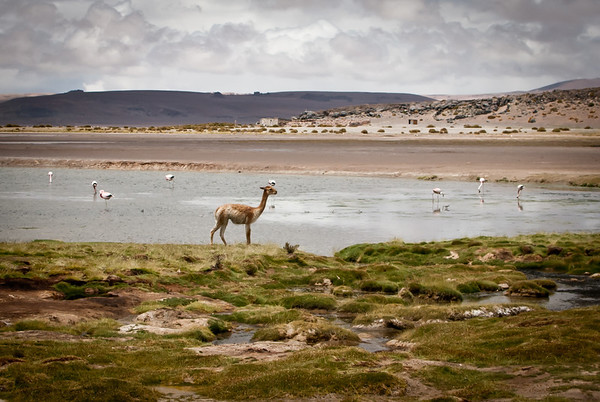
{"x": 571, "y": 84}
{"x": 577, "y": 108}
{"x": 145, "y": 108}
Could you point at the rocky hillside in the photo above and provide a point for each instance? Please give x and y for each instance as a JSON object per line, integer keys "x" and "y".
{"x": 567, "y": 108}
{"x": 147, "y": 108}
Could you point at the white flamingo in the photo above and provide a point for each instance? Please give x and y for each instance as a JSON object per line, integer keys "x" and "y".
{"x": 50, "y": 174}
{"x": 272, "y": 184}
{"x": 481, "y": 182}
{"x": 520, "y": 188}
{"x": 437, "y": 191}
{"x": 170, "y": 178}
{"x": 105, "y": 196}
{"x": 94, "y": 185}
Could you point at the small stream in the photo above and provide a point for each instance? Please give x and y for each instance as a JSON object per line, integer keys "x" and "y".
{"x": 573, "y": 291}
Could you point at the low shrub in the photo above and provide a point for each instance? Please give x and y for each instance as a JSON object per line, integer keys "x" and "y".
{"x": 379, "y": 286}
{"x": 477, "y": 286}
{"x": 435, "y": 293}
{"x": 309, "y": 302}
{"x": 527, "y": 288}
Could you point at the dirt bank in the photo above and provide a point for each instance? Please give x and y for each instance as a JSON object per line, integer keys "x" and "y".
{"x": 566, "y": 157}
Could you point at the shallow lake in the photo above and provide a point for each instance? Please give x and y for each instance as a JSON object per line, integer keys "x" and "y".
{"x": 322, "y": 214}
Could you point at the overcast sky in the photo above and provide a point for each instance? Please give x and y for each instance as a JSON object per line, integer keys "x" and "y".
{"x": 242, "y": 46}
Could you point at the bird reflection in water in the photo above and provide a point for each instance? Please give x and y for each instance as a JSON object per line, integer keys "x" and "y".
{"x": 437, "y": 210}
{"x": 435, "y": 206}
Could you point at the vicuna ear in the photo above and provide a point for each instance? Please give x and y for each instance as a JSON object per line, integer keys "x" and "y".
{"x": 262, "y": 188}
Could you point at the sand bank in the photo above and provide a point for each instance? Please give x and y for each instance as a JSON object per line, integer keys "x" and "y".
{"x": 566, "y": 157}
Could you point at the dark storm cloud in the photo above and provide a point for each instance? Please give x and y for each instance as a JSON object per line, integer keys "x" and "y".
{"x": 428, "y": 46}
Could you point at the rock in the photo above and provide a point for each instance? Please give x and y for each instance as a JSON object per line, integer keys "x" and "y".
{"x": 400, "y": 324}
{"x": 401, "y": 345}
{"x": 554, "y": 250}
{"x": 488, "y": 257}
{"x": 326, "y": 282}
{"x": 532, "y": 258}
{"x": 405, "y": 294}
{"x": 112, "y": 279}
{"x": 266, "y": 350}
{"x": 495, "y": 311}
{"x": 526, "y": 249}
{"x": 166, "y": 321}
{"x": 50, "y": 295}
{"x": 595, "y": 276}
{"x": 453, "y": 255}
{"x": 504, "y": 254}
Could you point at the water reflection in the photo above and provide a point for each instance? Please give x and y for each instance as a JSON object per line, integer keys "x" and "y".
{"x": 322, "y": 214}
{"x": 573, "y": 291}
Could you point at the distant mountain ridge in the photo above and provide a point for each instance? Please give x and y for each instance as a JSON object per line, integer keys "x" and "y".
{"x": 571, "y": 84}
{"x": 163, "y": 108}
{"x": 582, "y": 83}
{"x": 145, "y": 108}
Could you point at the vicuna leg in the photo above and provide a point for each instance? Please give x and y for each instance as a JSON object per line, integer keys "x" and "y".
{"x": 220, "y": 223}
{"x": 247, "y": 233}
{"x": 222, "y": 232}
{"x": 212, "y": 232}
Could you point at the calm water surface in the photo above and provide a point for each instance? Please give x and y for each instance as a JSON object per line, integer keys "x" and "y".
{"x": 322, "y": 214}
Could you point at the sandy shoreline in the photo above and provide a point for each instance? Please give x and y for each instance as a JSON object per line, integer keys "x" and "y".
{"x": 560, "y": 158}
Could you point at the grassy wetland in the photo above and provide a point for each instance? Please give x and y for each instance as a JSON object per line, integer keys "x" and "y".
{"x": 113, "y": 321}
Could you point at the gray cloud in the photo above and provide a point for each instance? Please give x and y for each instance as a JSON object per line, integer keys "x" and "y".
{"x": 427, "y": 46}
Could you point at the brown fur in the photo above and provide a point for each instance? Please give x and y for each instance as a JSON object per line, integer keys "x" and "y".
{"x": 240, "y": 215}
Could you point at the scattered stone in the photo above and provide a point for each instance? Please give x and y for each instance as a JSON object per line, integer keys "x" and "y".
{"x": 554, "y": 250}
{"x": 325, "y": 282}
{"x": 50, "y": 295}
{"x": 112, "y": 279}
{"x": 453, "y": 255}
{"x": 504, "y": 254}
{"x": 166, "y": 321}
{"x": 400, "y": 324}
{"x": 400, "y": 345}
{"x": 62, "y": 359}
{"x": 266, "y": 350}
{"x": 405, "y": 294}
{"x": 488, "y": 257}
{"x": 531, "y": 258}
{"x": 495, "y": 311}
{"x": 526, "y": 249}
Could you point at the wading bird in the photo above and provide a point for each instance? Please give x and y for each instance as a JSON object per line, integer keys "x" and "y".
{"x": 94, "y": 185}
{"x": 272, "y": 184}
{"x": 437, "y": 191}
{"x": 481, "y": 182}
{"x": 170, "y": 178}
{"x": 105, "y": 196}
{"x": 520, "y": 188}
{"x": 50, "y": 174}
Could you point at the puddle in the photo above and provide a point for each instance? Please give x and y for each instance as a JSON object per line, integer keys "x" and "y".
{"x": 573, "y": 291}
{"x": 241, "y": 334}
